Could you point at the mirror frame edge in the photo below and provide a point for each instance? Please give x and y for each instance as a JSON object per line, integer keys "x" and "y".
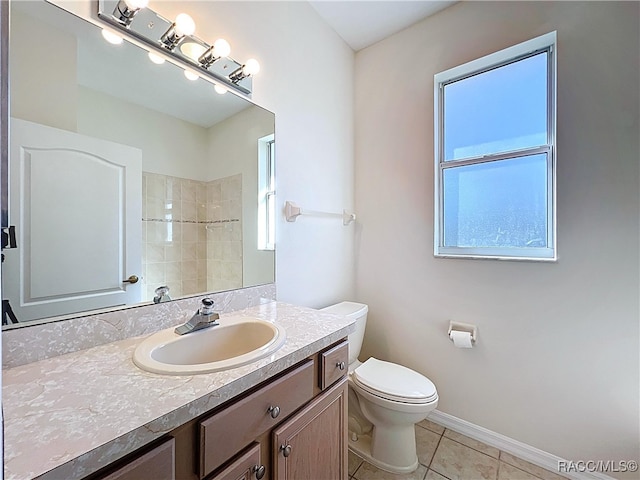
{"x": 4, "y": 119}
{"x": 4, "y": 110}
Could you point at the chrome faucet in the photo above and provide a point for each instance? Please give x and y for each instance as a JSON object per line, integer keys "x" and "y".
{"x": 204, "y": 317}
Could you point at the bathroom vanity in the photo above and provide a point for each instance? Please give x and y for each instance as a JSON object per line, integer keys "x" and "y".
{"x": 93, "y": 414}
{"x": 289, "y": 426}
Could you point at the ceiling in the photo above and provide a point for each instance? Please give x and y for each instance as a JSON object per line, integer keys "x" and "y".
{"x": 363, "y": 23}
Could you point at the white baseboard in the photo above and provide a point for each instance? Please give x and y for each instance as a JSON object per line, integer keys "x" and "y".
{"x": 514, "y": 447}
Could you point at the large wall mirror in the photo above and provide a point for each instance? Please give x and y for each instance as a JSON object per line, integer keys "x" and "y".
{"x": 122, "y": 169}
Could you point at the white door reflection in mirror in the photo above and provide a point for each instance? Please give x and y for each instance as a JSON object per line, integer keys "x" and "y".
{"x": 66, "y": 182}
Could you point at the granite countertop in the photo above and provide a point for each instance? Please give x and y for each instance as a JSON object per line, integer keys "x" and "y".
{"x": 68, "y": 416}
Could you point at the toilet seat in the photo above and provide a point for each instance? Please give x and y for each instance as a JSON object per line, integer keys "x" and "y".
{"x": 394, "y": 382}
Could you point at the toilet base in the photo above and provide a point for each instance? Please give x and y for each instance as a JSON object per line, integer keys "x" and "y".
{"x": 362, "y": 448}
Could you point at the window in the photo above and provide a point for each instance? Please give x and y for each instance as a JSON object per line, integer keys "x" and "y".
{"x": 495, "y": 155}
{"x": 266, "y": 193}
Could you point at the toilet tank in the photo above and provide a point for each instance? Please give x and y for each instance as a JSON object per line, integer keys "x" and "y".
{"x": 357, "y": 311}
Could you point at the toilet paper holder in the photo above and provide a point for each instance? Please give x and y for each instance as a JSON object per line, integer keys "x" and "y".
{"x": 463, "y": 327}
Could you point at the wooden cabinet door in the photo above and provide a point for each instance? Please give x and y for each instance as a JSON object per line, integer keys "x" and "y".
{"x": 156, "y": 464}
{"x": 313, "y": 443}
{"x": 246, "y": 467}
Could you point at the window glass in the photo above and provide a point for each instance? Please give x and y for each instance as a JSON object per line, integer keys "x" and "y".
{"x": 499, "y": 110}
{"x": 497, "y": 204}
{"x": 266, "y": 193}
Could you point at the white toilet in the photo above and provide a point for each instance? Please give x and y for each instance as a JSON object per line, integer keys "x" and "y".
{"x": 386, "y": 400}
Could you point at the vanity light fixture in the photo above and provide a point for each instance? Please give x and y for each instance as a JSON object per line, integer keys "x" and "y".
{"x": 126, "y": 9}
{"x": 192, "y": 50}
{"x": 220, "y": 48}
{"x": 250, "y": 68}
{"x": 183, "y": 26}
{"x": 174, "y": 40}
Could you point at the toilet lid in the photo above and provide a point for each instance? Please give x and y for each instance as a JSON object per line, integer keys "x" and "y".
{"x": 394, "y": 382}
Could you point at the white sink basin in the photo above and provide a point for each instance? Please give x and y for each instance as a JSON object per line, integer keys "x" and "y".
{"x": 236, "y": 341}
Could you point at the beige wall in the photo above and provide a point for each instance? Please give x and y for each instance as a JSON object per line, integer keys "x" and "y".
{"x": 52, "y": 102}
{"x": 556, "y": 365}
{"x": 233, "y": 144}
{"x": 104, "y": 116}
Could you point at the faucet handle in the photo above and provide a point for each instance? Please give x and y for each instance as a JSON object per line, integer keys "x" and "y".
{"x": 161, "y": 290}
{"x": 161, "y": 294}
{"x": 207, "y": 306}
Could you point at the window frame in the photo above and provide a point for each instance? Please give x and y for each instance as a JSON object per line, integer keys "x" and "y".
{"x": 266, "y": 192}
{"x": 507, "y": 56}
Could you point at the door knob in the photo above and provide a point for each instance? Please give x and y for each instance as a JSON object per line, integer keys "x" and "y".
{"x": 132, "y": 279}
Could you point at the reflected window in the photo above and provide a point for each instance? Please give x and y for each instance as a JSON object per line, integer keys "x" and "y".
{"x": 494, "y": 154}
{"x": 266, "y": 193}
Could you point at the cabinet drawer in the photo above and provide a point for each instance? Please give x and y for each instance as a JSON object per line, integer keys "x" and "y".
{"x": 156, "y": 464}
{"x": 246, "y": 467}
{"x": 334, "y": 364}
{"x": 235, "y": 427}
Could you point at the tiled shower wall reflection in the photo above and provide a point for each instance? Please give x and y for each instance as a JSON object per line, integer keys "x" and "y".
{"x": 192, "y": 234}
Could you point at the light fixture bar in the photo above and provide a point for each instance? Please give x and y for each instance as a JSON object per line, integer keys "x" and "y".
{"x": 170, "y": 38}
{"x": 164, "y": 37}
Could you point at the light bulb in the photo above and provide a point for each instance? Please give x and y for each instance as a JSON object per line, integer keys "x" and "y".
{"x": 136, "y": 4}
{"x": 192, "y": 50}
{"x": 190, "y": 75}
{"x": 157, "y": 59}
{"x": 221, "y": 48}
{"x": 221, "y": 89}
{"x": 184, "y": 25}
{"x": 251, "y": 67}
{"x": 111, "y": 37}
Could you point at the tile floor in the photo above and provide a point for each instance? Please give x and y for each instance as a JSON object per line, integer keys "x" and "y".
{"x": 446, "y": 455}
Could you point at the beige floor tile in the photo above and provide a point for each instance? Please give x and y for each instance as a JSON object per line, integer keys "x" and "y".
{"x": 369, "y": 472}
{"x": 426, "y": 444}
{"x": 509, "y": 472}
{"x": 354, "y": 462}
{"x": 529, "y": 467}
{"x": 470, "y": 442}
{"x": 459, "y": 462}
{"x": 431, "y": 475}
{"x": 429, "y": 425}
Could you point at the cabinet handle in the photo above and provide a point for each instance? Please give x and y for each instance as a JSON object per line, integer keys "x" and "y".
{"x": 259, "y": 470}
{"x": 340, "y": 365}
{"x": 286, "y": 450}
{"x": 274, "y": 411}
